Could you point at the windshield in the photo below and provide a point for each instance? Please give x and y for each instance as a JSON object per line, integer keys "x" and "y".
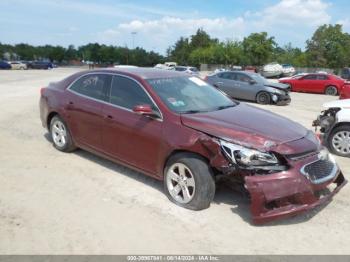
{"x": 189, "y": 95}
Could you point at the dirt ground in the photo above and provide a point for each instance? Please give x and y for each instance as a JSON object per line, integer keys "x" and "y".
{"x": 77, "y": 203}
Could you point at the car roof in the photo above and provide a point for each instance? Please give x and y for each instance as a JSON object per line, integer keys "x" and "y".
{"x": 143, "y": 72}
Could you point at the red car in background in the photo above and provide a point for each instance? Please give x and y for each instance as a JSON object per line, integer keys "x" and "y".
{"x": 316, "y": 83}
{"x": 345, "y": 91}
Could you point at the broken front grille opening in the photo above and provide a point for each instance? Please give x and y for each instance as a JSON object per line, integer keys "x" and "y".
{"x": 285, "y": 201}
{"x": 320, "y": 171}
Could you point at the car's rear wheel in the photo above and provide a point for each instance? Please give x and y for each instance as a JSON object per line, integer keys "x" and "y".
{"x": 189, "y": 181}
{"x": 263, "y": 98}
{"x": 331, "y": 91}
{"x": 60, "y": 135}
{"x": 339, "y": 141}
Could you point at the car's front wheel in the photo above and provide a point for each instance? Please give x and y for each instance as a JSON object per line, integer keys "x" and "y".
{"x": 263, "y": 98}
{"x": 189, "y": 181}
{"x": 60, "y": 135}
{"x": 339, "y": 141}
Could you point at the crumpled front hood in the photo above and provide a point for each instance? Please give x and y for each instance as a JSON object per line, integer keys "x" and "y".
{"x": 254, "y": 128}
{"x": 278, "y": 86}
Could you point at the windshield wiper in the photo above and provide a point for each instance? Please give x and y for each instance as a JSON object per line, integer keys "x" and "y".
{"x": 224, "y": 107}
{"x": 191, "y": 112}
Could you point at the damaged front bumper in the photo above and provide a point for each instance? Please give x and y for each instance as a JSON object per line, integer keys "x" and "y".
{"x": 282, "y": 99}
{"x": 293, "y": 191}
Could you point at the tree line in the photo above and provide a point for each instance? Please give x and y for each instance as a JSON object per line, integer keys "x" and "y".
{"x": 94, "y": 52}
{"x": 329, "y": 47}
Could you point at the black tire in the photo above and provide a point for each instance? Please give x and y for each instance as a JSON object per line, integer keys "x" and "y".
{"x": 335, "y": 131}
{"x": 68, "y": 146}
{"x": 203, "y": 176}
{"x": 331, "y": 91}
{"x": 263, "y": 98}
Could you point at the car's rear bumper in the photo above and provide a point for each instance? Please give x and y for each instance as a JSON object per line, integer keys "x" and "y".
{"x": 289, "y": 193}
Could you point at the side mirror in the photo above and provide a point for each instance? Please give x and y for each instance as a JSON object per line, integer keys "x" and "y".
{"x": 145, "y": 110}
{"x": 252, "y": 82}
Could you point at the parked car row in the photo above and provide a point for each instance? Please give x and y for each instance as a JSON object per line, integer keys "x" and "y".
{"x": 185, "y": 132}
{"x": 23, "y": 65}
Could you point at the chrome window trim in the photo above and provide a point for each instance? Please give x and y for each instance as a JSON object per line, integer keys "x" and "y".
{"x": 108, "y": 102}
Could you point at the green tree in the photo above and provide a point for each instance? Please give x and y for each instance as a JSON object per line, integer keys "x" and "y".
{"x": 201, "y": 40}
{"x": 71, "y": 53}
{"x": 329, "y": 47}
{"x": 180, "y": 52}
{"x": 258, "y": 48}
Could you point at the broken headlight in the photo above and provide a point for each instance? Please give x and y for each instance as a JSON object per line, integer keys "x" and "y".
{"x": 248, "y": 157}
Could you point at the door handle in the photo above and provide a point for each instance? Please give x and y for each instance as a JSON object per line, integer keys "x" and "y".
{"x": 108, "y": 117}
{"x": 70, "y": 105}
{"x": 219, "y": 83}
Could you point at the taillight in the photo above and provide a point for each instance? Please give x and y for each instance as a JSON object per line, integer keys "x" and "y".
{"x": 42, "y": 90}
{"x": 205, "y": 78}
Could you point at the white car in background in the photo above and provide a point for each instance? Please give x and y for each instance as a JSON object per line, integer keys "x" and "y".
{"x": 191, "y": 70}
{"x": 125, "y": 66}
{"x": 272, "y": 70}
{"x": 17, "y": 65}
{"x": 288, "y": 70}
{"x": 334, "y": 123}
{"x": 167, "y": 66}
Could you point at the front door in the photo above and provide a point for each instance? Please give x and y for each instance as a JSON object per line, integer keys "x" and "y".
{"x": 128, "y": 136}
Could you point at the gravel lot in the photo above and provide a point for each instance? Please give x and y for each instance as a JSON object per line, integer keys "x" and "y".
{"x": 57, "y": 203}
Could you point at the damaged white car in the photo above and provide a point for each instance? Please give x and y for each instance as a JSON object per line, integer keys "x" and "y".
{"x": 334, "y": 123}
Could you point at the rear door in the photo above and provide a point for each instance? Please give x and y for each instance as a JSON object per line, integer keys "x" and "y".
{"x": 226, "y": 82}
{"x": 244, "y": 88}
{"x": 126, "y": 135}
{"x": 84, "y": 108}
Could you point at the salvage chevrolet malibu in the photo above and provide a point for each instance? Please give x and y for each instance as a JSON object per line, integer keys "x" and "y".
{"x": 179, "y": 129}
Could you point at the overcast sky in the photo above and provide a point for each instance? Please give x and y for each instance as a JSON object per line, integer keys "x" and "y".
{"x": 160, "y": 23}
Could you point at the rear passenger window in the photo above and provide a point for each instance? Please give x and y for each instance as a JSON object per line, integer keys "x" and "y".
{"x": 322, "y": 77}
{"x": 227, "y": 75}
{"x": 127, "y": 93}
{"x": 310, "y": 77}
{"x": 92, "y": 85}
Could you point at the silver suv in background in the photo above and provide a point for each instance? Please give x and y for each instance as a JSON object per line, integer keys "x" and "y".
{"x": 250, "y": 86}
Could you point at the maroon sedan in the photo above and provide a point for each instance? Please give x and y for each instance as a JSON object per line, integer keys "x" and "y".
{"x": 179, "y": 129}
{"x": 315, "y": 83}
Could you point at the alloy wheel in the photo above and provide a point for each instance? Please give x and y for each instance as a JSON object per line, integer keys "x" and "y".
{"x": 180, "y": 183}
{"x": 59, "y": 133}
{"x": 331, "y": 91}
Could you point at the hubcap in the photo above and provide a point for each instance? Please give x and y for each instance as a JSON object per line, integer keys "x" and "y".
{"x": 59, "y": 133}
{"x": 341, "y": 142}
{"x": 332, "y": 91}
{"x": 263, "y": 98}
{"x": 180, "y": 183}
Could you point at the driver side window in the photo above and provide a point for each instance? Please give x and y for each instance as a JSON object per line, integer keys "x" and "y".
{"x": 127, "y": 93}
